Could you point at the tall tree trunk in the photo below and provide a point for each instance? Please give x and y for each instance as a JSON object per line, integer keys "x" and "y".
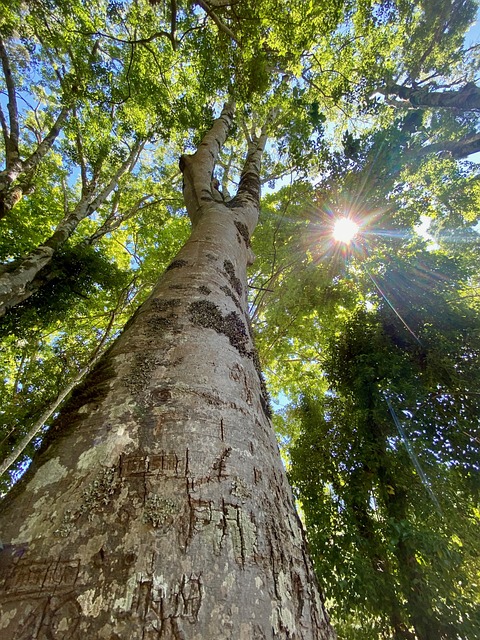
{"x": 159, "y": 508}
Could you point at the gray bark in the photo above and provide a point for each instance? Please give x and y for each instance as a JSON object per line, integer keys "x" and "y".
{"x": 17, "y": 178}
{"x": 467, "y": 98}
{"x": 159, "y": 508}
{"x": 458, "y": 149}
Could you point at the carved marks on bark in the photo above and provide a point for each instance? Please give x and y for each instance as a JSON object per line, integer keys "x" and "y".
{"x": 51, "y": 617}
{"x": 26, "y": 577}
{"x": 46, "y": 592}
{"x": 238, "y": 374}
{"x": 150, "y": 601}
{"x": 162, "y": 609}
{"x": 143, "y": 484}
{"x": 227, "y": 525}
{"x": 164, "y": 463}
{"x": 55, "y": 599}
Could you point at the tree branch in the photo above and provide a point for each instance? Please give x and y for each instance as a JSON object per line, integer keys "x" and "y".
{"x": 173, "y": 22}
{"x": 126, "y": 166}
{"x": 249, "y": 185}
{"x": 221, "y": 26}
{"x": 17, "y": 281}
{"x": 130, "y": 41}
{"x": 12, "y": 152}
{"x": 114, "y": 220}
{"x": 457, "y": 148}
{"x": 197, "y": 169}
{"x": 5, "y": 131}
{"x": 45, "y": 145}
{"x": 40, "y": 423}
{"x": 88, "y": 204}
{"x": 466, "y": 98}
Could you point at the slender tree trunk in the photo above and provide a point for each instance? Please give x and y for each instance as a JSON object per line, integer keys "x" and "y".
{"x": 160, "y": 507}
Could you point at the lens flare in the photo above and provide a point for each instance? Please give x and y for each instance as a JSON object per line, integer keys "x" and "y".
{"x": 344, "y": 230}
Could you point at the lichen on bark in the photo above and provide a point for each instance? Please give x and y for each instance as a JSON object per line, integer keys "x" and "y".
{"x": 234, "y": 281}
{"x": 206, "y": 314}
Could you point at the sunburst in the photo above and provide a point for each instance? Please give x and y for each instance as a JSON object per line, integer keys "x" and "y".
{"x": 344, "y": 230}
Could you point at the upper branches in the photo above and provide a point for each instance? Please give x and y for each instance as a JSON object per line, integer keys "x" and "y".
{"x": 11, "y": 134}
{"x": 16, "y": 178}
{"x": 467, "y": 98}
{"x": 198, "y": 169}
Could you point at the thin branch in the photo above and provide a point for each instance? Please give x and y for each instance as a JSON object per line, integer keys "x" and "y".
{"x": 126, "y": 166}
{"x": 46, "y": 144}
{"x": 153, "y": 53}
{"x": 129, "y": 41}
{"x": 47, "y": 414}
{"x": 131, "y": 253}
{"x": 16, "y": 384}
{"x": 221, "y": 26}
{"x": 173, "y": 22}
{"x": 246, "y": 132}
{"x": 39, "y": 424}
{"x": 251, "y": 286}
{"x": 65, "y": 196}
{"x": 114, "y": 221}
{"x": 88, "y": 203}
{"x": 81, "y": 162}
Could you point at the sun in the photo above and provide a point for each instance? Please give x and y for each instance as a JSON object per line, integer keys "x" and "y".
{"x": 344, "y": 230}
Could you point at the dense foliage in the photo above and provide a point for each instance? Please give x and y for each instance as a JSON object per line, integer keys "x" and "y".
{"x": 369, "y": 348}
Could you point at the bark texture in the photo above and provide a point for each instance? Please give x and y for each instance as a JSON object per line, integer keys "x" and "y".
{"x": 467, "y": 98}
{"x": 160, "y": 507}
{"x": 458, "y": 149}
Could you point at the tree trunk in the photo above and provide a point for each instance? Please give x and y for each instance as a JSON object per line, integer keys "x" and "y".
{"x": 159, "y": 508}
{"x": 458, "y": 149}
{"x": 465, "y": 99}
